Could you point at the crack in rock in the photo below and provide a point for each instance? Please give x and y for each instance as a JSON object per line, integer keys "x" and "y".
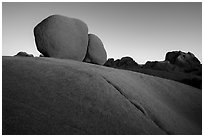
{"x": 137, "y": 106}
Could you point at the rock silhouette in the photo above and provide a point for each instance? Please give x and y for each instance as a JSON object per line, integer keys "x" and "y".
{"x": 72, "y": 97}
{"x": 177, "y": 61}
{"x": 187, "y": 69}
{"x": 186, "y": 61}
{"x": 123, "y": 63}
{"x": 62, "y": 37}
{"x": 95, "y": 51}
{"x": 182, "y": 59}
{"x": 24, "y": 54}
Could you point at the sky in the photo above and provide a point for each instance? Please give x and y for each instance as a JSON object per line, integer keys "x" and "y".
{"x": 143, "y": 31}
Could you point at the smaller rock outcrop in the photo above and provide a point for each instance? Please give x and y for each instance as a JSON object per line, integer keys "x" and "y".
{"x": 123, "y": 63}
{"x": 96, "y": 52}
{"x": 182, "y": 59}
{"x": 109, "y": 62}
{"x": 179, "y": 66}
{"x": 186, "y": 61}
{"x": 24, "y": 54}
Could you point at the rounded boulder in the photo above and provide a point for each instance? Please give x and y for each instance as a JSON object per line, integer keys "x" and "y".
{"x": 96, "y": 52}
{"x": 62, "y": 37}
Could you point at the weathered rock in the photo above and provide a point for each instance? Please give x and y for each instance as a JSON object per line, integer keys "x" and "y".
{"x": 161, "y": 65}
{"x": 123, "y": 63}
{"x": 24, "y": 54}
{"x": 186, "y": 70}
{"x": 109, "y": 62}
{"x": 62, "y": 37}
{"x": 127, "y": 61}
{"x": 96, "y": 52}
{"x": 171, "y": 56}
{"x": 70, "y": 97}
{"x": 182, "y": 59}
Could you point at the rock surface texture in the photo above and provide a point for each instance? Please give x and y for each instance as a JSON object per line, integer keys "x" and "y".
{"x": 71, "y": 97}
{"x": 96, "y": 52}
{"x": 62, "y": 37}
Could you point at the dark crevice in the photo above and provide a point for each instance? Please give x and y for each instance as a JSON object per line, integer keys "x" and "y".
{"x": 141, "y": 109}
{"x": 137, "y": 106}
{"x": 157, "y": 123}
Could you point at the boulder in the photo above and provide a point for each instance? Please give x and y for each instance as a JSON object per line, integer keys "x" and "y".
{"x": 24, "y": 54}
{"x": 62, "y": 37}
{"x": 96, "y": 52}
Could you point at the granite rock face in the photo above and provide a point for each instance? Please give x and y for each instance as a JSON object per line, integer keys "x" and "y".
{"x": 96, "y": 52}
{"x": 62, "y": 37}
{"x": 72, "y": 97}
{"x": 24, "y": 54}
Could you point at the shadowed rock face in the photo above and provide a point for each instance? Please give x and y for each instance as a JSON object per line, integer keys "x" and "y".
{"x": 182, "y": 59}
{"x": 24, "y": 54}
{"x": 62, "y": 37}
{"x": 178, "y": 66}
{"x": 95, "y": 51}
{"x": 161, "y": 65}
{"x": 71, "y": 97}
{"x": 124, "y": 62}
{"x": 177, "y": 61}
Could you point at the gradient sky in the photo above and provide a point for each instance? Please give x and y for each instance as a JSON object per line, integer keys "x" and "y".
{"x": 143, "y": 31}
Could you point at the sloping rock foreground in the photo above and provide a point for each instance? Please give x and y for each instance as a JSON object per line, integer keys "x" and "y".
{"x": 57, "y": 96}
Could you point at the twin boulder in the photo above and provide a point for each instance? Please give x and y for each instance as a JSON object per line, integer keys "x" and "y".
{"x": 67, "y": 38}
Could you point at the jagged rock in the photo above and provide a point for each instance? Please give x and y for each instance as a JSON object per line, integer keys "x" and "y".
{"x": 109, "y": 62}
{"x": 182, "y": 59}
{"x": 124, "y": 62}
{"x": 62, "y": 37}
{"x": 24, "y": 54}
{"x": 95, "y": 52}
{"x": 171, "y": 56}
{"x": 186, "y": 61}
